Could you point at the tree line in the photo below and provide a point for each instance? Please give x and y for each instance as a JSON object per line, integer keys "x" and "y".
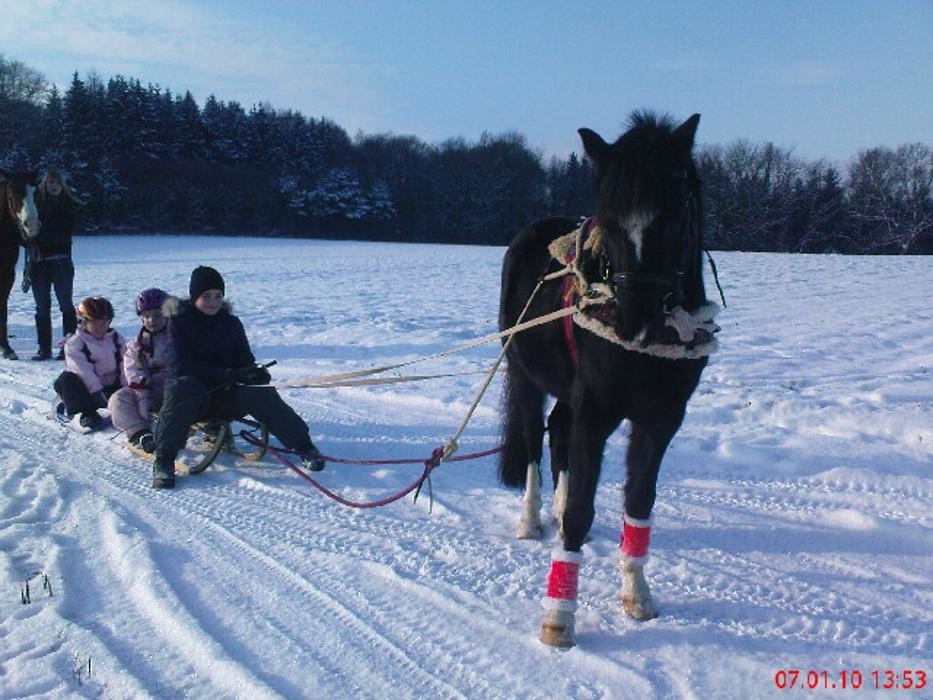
{"x": 146, "y": 159}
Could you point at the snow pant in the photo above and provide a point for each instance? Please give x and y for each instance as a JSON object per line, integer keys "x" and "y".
{"x": 188, "y": 400}
{"x": 72, "y": 390}
{"x": 124, "y": 411}
{"x": 57, "y": 274}
{"x": 7, "y": 275}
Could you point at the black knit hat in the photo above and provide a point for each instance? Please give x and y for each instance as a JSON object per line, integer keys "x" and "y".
{"x": 204, "y": 278}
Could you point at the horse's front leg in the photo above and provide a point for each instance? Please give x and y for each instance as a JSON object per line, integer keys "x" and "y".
{"x": 647, "y": 445}
{"x": 588, "y": 434}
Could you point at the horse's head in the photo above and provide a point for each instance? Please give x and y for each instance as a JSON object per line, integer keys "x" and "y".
{"x": 18, "y": 190}
{"x": 649, "y": 209}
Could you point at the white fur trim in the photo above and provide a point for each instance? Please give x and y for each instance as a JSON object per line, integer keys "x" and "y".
{"x": 559, "y": 554}
{"x": 635, "y": 522}
{"x": 564, "y": 249}
{"x": 549, "y": 603}
{"x": 668, "y": 352}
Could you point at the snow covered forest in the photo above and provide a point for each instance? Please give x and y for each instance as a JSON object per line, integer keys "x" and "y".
{"x": 146, "y": 158}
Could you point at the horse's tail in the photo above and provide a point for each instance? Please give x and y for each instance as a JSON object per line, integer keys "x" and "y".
{"x": 522, "y": 427}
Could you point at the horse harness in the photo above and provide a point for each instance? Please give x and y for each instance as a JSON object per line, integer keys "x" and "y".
{"x": 684, "y": 334}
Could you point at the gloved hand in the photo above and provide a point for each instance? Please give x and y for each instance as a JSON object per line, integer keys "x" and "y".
{"x": 99, "y": 399}
{"x": 144, "y": 404}
{"x": 253, "y": 375}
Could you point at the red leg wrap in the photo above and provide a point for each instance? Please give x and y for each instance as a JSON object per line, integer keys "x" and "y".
{"x": 635, "y": 541}
{"x": 562, "y": 580}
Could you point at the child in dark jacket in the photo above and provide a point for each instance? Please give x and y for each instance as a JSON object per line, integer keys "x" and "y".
{"x": 217, "y": 377}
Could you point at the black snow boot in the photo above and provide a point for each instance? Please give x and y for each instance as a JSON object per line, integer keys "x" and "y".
{"x": 311, "y": 458}
{"x": 144, "y": 440}
{"x": 44, "y": 336}
{"x": 90, "y": 419}
{"x": 163, "y": 473}
{"x": 8, "y": 353}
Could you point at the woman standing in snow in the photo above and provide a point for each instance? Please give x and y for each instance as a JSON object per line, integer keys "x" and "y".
{"x": 217, "y": 377}
{"x": 49, "y": 263}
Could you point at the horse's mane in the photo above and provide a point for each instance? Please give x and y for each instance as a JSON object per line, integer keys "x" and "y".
{"x": 635, "y": 181}
{"x": 647, "y": 120}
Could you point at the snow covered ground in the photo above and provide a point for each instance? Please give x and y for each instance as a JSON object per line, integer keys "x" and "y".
{"x": 792, "y": 529}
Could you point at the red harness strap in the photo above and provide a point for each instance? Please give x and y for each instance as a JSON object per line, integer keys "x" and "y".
{"x": 569, "y": 296}
{"x": 569, "y": 299}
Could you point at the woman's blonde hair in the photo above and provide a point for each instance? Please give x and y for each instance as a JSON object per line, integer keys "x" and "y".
{"x": 66, "y": 197}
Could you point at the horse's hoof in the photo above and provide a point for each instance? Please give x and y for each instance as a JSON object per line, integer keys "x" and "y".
{"x": 529, "y": 531}
{"x": 557, "y": 629}
{"x": 640, "y": 610}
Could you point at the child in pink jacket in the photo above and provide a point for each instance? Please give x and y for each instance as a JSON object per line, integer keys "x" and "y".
{"x": 147, "y": 362}
{"x": 93, "y": 359}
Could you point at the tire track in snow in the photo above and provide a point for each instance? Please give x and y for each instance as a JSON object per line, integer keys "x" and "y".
{"x": 185, "y": 642}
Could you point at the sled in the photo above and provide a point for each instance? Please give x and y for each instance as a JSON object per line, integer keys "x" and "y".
{"x": 209, "y": 438}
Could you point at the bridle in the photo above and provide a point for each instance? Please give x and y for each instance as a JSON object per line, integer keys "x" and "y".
{"x": 670, "y": 282}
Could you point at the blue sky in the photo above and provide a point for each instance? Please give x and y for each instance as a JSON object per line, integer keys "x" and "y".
{"x": 823, "y": 78}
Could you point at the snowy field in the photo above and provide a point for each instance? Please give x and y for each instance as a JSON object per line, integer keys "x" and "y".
{"x": 792, "y": 528}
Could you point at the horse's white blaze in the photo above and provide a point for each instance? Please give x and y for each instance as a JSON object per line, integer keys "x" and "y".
{"x": 635, "y": 226}
{"x": 28, "y": 215}
{"x": 529, "y": 527}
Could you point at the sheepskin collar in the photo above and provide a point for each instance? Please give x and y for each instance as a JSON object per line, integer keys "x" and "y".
{"x": 685, "y": 335}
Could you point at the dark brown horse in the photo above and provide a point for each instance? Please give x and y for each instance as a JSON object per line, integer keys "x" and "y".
{"x": 19, "y": 222}
{"x": 635, "y": 349}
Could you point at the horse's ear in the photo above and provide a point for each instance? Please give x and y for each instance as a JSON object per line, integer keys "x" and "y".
{"x": 595, "y": 147}
{"x": 686, "y": 132}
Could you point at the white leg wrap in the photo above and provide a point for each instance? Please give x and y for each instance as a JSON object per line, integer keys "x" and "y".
{"x": 529, "y": 527}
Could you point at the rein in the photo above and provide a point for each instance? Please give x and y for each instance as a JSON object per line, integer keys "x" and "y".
{"x": 439, "y": 454}
{"x": 430, "y": 464}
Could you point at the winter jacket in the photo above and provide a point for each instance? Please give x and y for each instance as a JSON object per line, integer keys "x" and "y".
{"x": 97, "y": 362}
{"x": 147, "y": 362}
{"x": 208, "y": 347}
{"x": 58, "y": 217}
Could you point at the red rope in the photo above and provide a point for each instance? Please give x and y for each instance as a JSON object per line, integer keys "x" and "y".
{"x": 430, "y": 464}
